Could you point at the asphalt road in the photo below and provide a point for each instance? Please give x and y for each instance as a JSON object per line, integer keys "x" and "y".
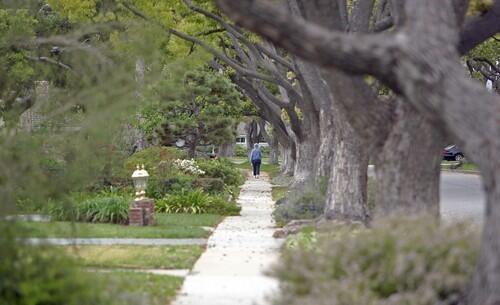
{"x": 462, "y": 196}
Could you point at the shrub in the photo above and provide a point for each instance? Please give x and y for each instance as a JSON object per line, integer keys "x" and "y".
{"x": 107, "y": 208}
{"x": 210, "y": 185}
{"x": 266, "y": 150}
{"x": 155, "y": 188}
{"x": 398, "y": 261}
{"x": 157, "y": 160}
{"x": 158, "y": 188}
{"x": 241, "y": 151}
{"x": 196, "y": 202}
{"x": 188, "y": 167}
{"x": 223, "y": 169}
{"x": 103, "y": 208}
{"x": 178, "y": 183}
{"x": 41, "y": 275}
{"x": 193, "y": 202}
{"x": 221, "y": 206}
{"x": 306, "y": 204}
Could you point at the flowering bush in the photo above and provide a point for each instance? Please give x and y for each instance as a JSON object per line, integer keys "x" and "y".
{"x": 188, "y": 167}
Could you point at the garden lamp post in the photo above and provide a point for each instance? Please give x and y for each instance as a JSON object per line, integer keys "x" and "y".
{"x": 140, "y": 177}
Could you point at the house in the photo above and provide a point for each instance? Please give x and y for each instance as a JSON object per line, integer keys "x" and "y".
{"x": 242, "y": 135}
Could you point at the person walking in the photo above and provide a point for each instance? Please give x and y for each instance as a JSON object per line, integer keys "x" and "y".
{"x": 256, "y": 159}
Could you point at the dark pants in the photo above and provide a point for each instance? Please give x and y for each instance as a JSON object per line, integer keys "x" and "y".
{"x": 256, "y": 167}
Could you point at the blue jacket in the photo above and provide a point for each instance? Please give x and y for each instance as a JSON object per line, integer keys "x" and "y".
{"x": 255, "y": 155}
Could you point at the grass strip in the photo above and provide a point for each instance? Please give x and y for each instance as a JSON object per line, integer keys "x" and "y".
{"x": 140, "y": 288}
{"x": 167, "y": 226}
{"x": 279, "y": 192}
{"x": 136, "y": 257}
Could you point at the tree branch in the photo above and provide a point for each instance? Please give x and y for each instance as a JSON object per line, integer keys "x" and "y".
{"x": 50, "y": 61}
{"x": 353, "y": 53}
{"x": 234, "y": 31}
{"x": 233, "y": 64}
{"x": 479, "y": 29}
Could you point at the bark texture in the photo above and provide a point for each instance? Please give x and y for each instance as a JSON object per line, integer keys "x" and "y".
{"x": 226, "y": 149}
{"x": 347, "y": 191}
{"x": 408, "y": 167}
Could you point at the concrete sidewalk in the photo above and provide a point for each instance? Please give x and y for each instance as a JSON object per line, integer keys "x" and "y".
{"x": 231, "y": 271}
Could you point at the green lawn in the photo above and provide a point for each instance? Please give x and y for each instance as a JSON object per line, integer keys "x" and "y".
{"x": 465, "y": 166}
{"x": 136, "y": 257}
{"x": 200, "y": 220}
{"x": 139, "y": 288}
{"x": 469, "y": 166}
{"x": 168, "y": 226}
{"x": 272, "y": 170}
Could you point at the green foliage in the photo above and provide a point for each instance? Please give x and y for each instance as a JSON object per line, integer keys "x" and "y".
{"x": 210, "y": 185}
{"x": 479, "y": 6}
{"x": 196, "y": 202}
{"x": 397, "y": 261}
{"x": 42, "y": 276}
{"x": 221, "y": 206}
{"x": 222, "y": 169}
{"x": 75, "y": 10}
{"x": 307, "y": 238}
{"x": 157, "y": 160}
{"x": 158, "y": 188}
{"x": 193, "y": 202}
{"x": 279, "y": 192}
{"x": 103, "y": 208}
{"x": 307, "y": 203}
{"x": 155, "y": 188}
{"x": 241, "y": 151}
{"x": 203, "y": 110}
{"x": 266, "y": 150}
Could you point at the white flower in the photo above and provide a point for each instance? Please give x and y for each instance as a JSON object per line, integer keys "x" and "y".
{"x": 188, "y": 166}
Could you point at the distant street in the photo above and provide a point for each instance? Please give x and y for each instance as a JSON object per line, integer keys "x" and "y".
{"x": 462, "y": 196}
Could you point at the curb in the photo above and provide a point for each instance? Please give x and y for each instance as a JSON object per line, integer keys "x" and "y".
{"x": 461, "y": 171}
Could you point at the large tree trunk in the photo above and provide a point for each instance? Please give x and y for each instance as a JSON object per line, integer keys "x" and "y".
{"x": 272, "y": 140}
{"x": 347, "y": 190}
{"x": 289, "y": 155}
{"x": 408, "y": 167}
{"x": 227, "y": 149}
{"x": 139, "y": 138}
{"x": 192, "y": 151}
{"x": 307, "y": 146}
{"x": 326, "y": 149}
{"x": 274, "y": 153}
{"x": 252, "y": 130}
{"x": 485, "y": 288}
{"x": 305, "y": 162}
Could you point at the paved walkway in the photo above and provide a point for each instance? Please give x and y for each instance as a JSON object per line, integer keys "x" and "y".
{"x": 117, "y": 241}
{"x": 231, "y": 271}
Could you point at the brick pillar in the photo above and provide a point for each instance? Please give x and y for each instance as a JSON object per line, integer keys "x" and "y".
{"x": 135, "y": 216}
{"x": 148, "y": 207}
